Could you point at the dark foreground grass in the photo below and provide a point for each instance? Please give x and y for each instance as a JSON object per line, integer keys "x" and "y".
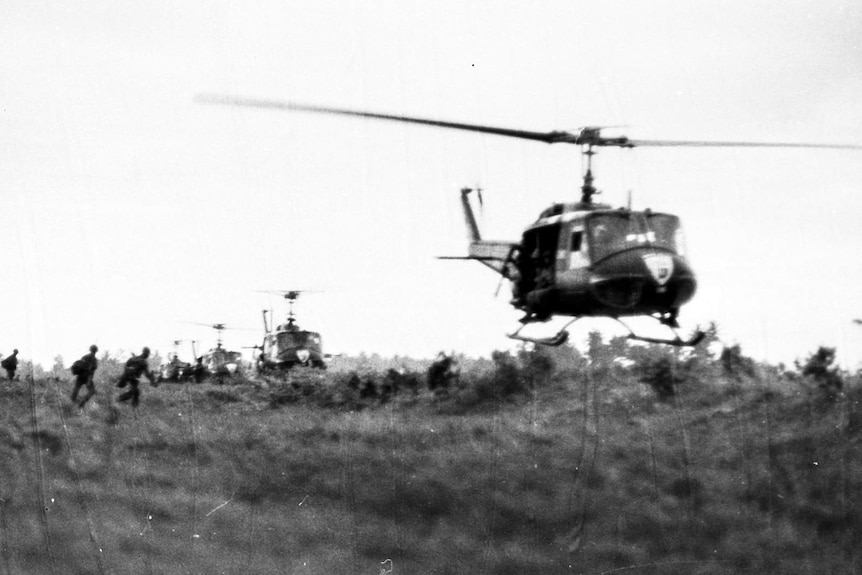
{"x": 587, "y": 475}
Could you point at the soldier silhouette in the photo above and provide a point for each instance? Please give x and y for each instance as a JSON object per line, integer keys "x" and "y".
{"x": 83, "y": 370}
{"x": 135, "y": 367}
{"x": 10, "y": 364}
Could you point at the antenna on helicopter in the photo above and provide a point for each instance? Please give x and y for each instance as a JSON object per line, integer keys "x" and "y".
{"x": 588, "y": 190}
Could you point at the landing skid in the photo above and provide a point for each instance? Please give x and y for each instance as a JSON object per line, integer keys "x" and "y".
{"x": 677, "y": 341}
{"x": 562, "y": 336}
{"x": 556, "y": 340}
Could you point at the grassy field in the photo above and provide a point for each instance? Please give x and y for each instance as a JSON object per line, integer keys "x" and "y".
{"x": 587, "y": 472}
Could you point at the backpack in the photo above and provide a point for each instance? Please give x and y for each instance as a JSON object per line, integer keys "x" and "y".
{"x": 78, "y": 367}
{"x": 135, "y": 366}
{"x": 6, "y": 363}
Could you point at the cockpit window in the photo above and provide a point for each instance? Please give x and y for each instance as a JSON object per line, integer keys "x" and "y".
{"x": 299, "y": 339}
{"x": 667, "y": 231}
{"x": 615, "y": 232}
{"x": 293, "y": 339}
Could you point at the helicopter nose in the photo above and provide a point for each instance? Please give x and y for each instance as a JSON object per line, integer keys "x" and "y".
{"x": 643, "y": 277}
{"x": 618, "y": 292}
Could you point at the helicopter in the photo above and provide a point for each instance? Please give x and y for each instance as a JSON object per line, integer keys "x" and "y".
{"x": 286, "y": 345}
{"x": 175, "y": 369}
{"x": 577, "y": 259}
{"x": 218, "y": 361}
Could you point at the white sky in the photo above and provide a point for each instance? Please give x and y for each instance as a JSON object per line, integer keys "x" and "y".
{"x": 129, "y": 210}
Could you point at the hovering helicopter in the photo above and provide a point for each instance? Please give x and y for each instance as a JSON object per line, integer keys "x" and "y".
{"x": 218, "y": 361}
{"x": 175, "y": 369}
{"x": 286, "y": 345}
{"x": 579, "y": 259}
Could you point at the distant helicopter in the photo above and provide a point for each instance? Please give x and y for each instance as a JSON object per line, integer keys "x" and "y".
{"x": 218, "y": 361}
{"x": 579, "y": 259}
{"x": 175, "y": 369}
{"x": 286, "y": 345}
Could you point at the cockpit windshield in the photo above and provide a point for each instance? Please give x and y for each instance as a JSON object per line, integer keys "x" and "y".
{"x": 293, "y": 339}
{"x": 610, "y": 233}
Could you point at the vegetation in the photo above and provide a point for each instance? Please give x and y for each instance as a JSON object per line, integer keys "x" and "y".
{"x": 622, "y": 458}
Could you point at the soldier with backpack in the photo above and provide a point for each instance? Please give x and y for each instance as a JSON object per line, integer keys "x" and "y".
{"x": 83, "y": 370}
{"x": 10, "y": 364}
{"x": 135, "y": 367}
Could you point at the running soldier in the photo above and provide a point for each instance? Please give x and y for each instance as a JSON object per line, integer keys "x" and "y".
{"x": 135, "y": 367}
{"x": 10, "y": 364}
{"x": 83, "y": 370}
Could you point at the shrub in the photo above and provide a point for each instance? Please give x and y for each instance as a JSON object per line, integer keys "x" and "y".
{"x": 301, "y": 385}
{"x": 736, "y": 365}
{"x": 663, "y": 375}
{"x": 537, "y": 365}
{"x": 820, "y": 368}
{"x": 395, "y": 381}
{"x": 507, "y": 375}
{"x": 500, "y": 381}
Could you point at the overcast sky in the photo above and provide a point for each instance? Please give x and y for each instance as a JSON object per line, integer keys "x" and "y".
{"x": 129, "y": 210}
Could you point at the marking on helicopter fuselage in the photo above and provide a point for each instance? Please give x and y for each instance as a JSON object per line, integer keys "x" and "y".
{"x": 660, "y": 266}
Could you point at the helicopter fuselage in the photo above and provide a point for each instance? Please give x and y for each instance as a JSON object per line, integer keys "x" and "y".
{"x": 288, "y": 346}
{"x": 221, "y": 362}
{"x": 585, "y": 259}
{"x": 601, "y": 262}
{"x": 174, "y": 370}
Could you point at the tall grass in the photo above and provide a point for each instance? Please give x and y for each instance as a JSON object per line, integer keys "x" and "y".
{"x": 581, "y": 469}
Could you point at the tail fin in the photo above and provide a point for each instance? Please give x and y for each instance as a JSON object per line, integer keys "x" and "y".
{"x": 469, "y": 218}
{"x": 496, "y": 255}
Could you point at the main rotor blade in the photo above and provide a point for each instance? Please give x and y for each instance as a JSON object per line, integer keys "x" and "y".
{"x": 287, "y": 291}
{"x": 291, "y": 295}
{"x": 548, "y": 137}
{"x": 223, "y": 326}
{"x": 719, "y": 144}
{"x": 212, "y": 325}
{"x": 590, "y": 135}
